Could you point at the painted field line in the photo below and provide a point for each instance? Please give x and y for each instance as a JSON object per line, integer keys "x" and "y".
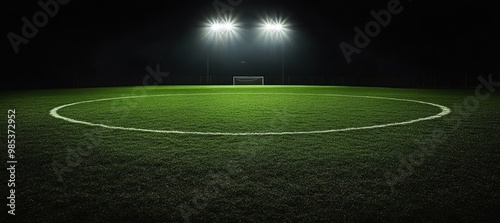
{"x": 444, "y": 111}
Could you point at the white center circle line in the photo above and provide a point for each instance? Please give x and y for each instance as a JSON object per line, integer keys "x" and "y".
{"x": 444, "y": 111}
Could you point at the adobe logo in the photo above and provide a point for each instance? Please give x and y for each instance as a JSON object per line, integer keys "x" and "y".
{"x": 39, "y": 20}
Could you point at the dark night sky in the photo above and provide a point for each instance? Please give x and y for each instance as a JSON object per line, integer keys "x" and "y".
{"x": 110, "y": 43}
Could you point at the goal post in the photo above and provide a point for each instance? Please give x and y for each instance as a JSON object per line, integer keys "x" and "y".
{"x": 248, "y": 80}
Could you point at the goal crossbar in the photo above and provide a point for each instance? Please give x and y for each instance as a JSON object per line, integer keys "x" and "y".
{"x": 248, "y": 79}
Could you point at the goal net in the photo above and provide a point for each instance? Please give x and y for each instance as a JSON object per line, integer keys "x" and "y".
{"x": 248, "y": 80}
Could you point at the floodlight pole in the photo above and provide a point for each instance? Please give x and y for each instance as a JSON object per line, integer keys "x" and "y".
{"x": 208, "y": 69}
{"x": 283, "y": 65}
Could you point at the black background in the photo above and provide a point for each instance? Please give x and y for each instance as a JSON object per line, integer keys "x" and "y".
{"x": 109, "y": 43}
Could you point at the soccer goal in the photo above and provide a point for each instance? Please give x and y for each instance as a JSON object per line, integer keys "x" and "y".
{"x": 248, "y": 80}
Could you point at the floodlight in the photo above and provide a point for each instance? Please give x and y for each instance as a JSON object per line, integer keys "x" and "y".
{"x": 274, "y": 30}
{"x": 215, "y": 27}
{"x": 228, "y": 26}
{"x": 220, "y": 31}
{"x": 274, "y": 27}
{"x": 222, "y": 27}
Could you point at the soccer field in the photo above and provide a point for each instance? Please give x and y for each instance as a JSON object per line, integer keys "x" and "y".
{"x": 255, "y": 154}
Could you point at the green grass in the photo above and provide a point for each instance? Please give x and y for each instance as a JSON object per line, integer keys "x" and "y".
{"x": 362, "y": 176}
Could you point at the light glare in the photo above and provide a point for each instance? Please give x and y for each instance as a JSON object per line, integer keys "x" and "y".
{"x": 274, "y": 30}
{"x": 215, "y": 27}
{"x": 274, "y": 27}
{"x": 221, "y": 31}
{"x": 227, "y": 26}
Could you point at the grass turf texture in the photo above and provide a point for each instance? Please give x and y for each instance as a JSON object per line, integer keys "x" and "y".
{"x": 380, "y": 174}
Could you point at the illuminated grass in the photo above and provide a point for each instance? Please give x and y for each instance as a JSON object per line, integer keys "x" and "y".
{"x": 132, "y": 176}
{"x": 244, "y": 113}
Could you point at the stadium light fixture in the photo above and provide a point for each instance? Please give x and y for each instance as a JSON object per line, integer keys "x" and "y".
{"x": 273, "y": 27}
{"x": 220, "y": 27}
{"x": 215, "y": 27}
